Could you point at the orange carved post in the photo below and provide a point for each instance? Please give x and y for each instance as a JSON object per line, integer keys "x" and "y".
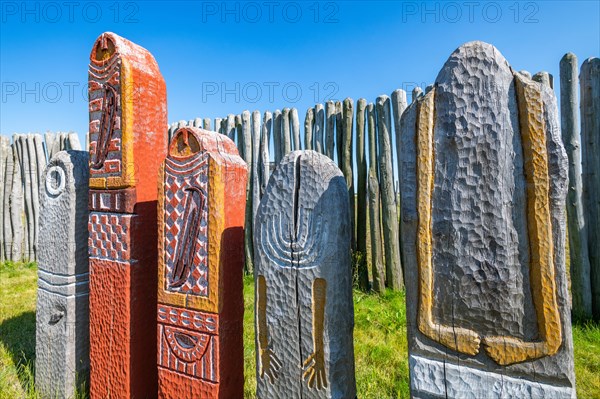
{"x": 201, "y": 207}
{"x": 128, "y": 119}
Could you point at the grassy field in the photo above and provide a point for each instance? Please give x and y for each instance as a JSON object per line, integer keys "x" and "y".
{"x": 379, "y": 339}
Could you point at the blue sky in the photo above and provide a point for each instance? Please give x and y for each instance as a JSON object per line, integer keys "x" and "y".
{"x": 219, "y": 58}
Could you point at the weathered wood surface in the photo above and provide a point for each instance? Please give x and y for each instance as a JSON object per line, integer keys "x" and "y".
{"x": 581, "y": 289}
{"x": 319, "y": 128}
{"x": 389, "y": 215}
{"x": 375, "y": 237}
{"x": 483, "y": 185}
{"x": 361, "y": 195}
{"x": 590, "y": 137}
{"x": 346, "y": 161}
{"x": 308, "y": 128}
{"x": 304, "y": 313}
{"x": 330, "y": 129}
{"x": 62, "y": 314}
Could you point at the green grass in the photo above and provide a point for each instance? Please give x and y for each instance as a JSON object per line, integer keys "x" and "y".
{"x": 380, "y": 345}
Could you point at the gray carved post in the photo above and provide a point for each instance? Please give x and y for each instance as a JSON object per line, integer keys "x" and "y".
{"x": 581, "y": 289}
{"x": 483, "y": 185}
{"x": 7, "y": 189}
{"x": 218, "y": 125}
{"x": 543, "y": 77}
{"x": 197, "y": 123}
{"x": 62, "y": 316}
{"x": 286, "y": 143}
{"x": 339, "y": 132}
{"x": 21, "y": 140}
{"x": 377, "y": 265}
{"x": 277, "y": 136}
{"x": 308, "y": 129}
{"x": 590, "y": 138}
{"x": 347, "y": 164}
{"x": 295, "y": 122}
{"x": 4, "y": 154}
{"x": 239, "y": 133}
{"x": 319, "y": 127}
{"x": 264, "y": 152}
{"x": 378, "y": 270}
{"x": 304, "y": 311}
{"x": 399, "y": 104}
{"x": 416, "y": 94}
{"x": 206, "y": 123}
{"x": 230, "y": 126}
{"x": 361, "y": 194}
{"x": 389, "y": 217}
{"x": 246, "y": 132}
{"x": 330, "y": 129}
{"x": 4, "y": 149}
{"x": 256, "y": 134}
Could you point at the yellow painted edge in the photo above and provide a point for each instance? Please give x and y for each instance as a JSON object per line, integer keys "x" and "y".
{"x": 509, "y": 350}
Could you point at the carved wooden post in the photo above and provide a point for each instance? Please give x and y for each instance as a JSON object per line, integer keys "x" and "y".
{"x": 361, "y": 209}
{"x": 377, "y": 265}
{"x": 581, "y": 289}
{"x": 230, "y": 127}
{"x": 399, "y": 104}
{"x": 347, "y": 164}
{"x": 389, "y": 217}
{"x": 330, "y": 129}
{"x": 319, "y": 127}
{"x": 590, "y": 137}
{"x": 295, "y": 123}
{"x": 246, "y": 131}
{"x": 277, "y": 136}
{"x": 14, "y": 203}
{"x": 264, "y": 152}
{"x": 201, "y": 206}
{"x": 206, "y": 124}
{"x": 5, "y": 150}
{"x": 62, "y": 316}
{"x": 256, "y": 133}
{"x": 128, "y": 112}
{"x": 483, "y": 234}
{"x": 308, "y": 129}
{"x": 286, "y": 144}
{"x": 304, "y": 311}
{"x": 339, "y": 132}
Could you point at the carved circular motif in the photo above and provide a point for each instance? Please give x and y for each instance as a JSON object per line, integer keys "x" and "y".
{"x": 55, "y": 180}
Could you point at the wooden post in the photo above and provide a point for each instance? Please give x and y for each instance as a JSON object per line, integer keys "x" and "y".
{"x": 391, "y": 244}
{"x": 277, "y": 136}
{"x": 249, "y": 221}
{"x": 581, "y": 289}
{"x": 361, "y": 188}
{"x": 295, "y": 123}
{"x": 319, "y": 127}
{"x": 377, "y": 265}
{"x": 125, "y": 159}
{"x": 308, "y": 129}
{"x": 265, "y": 157}
{"x": 347, "y": 164}
{"x": 590, "y": 138}
{"x": 200, "y": 302}
{"x": 339, "y": 132}
{"x": 285, "y": 132}
{"x": 330, "y": 129}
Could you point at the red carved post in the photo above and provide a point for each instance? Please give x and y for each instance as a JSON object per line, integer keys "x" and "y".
{"x": 201, "y": 208}
{"x": 128, "y": 117}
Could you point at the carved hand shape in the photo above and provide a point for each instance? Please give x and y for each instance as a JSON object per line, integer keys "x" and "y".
{"x": 315, "y": 370}
{"x": 269, "y": 364}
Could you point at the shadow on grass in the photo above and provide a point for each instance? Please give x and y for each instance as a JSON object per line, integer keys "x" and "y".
{"x": 18, "y": 336}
